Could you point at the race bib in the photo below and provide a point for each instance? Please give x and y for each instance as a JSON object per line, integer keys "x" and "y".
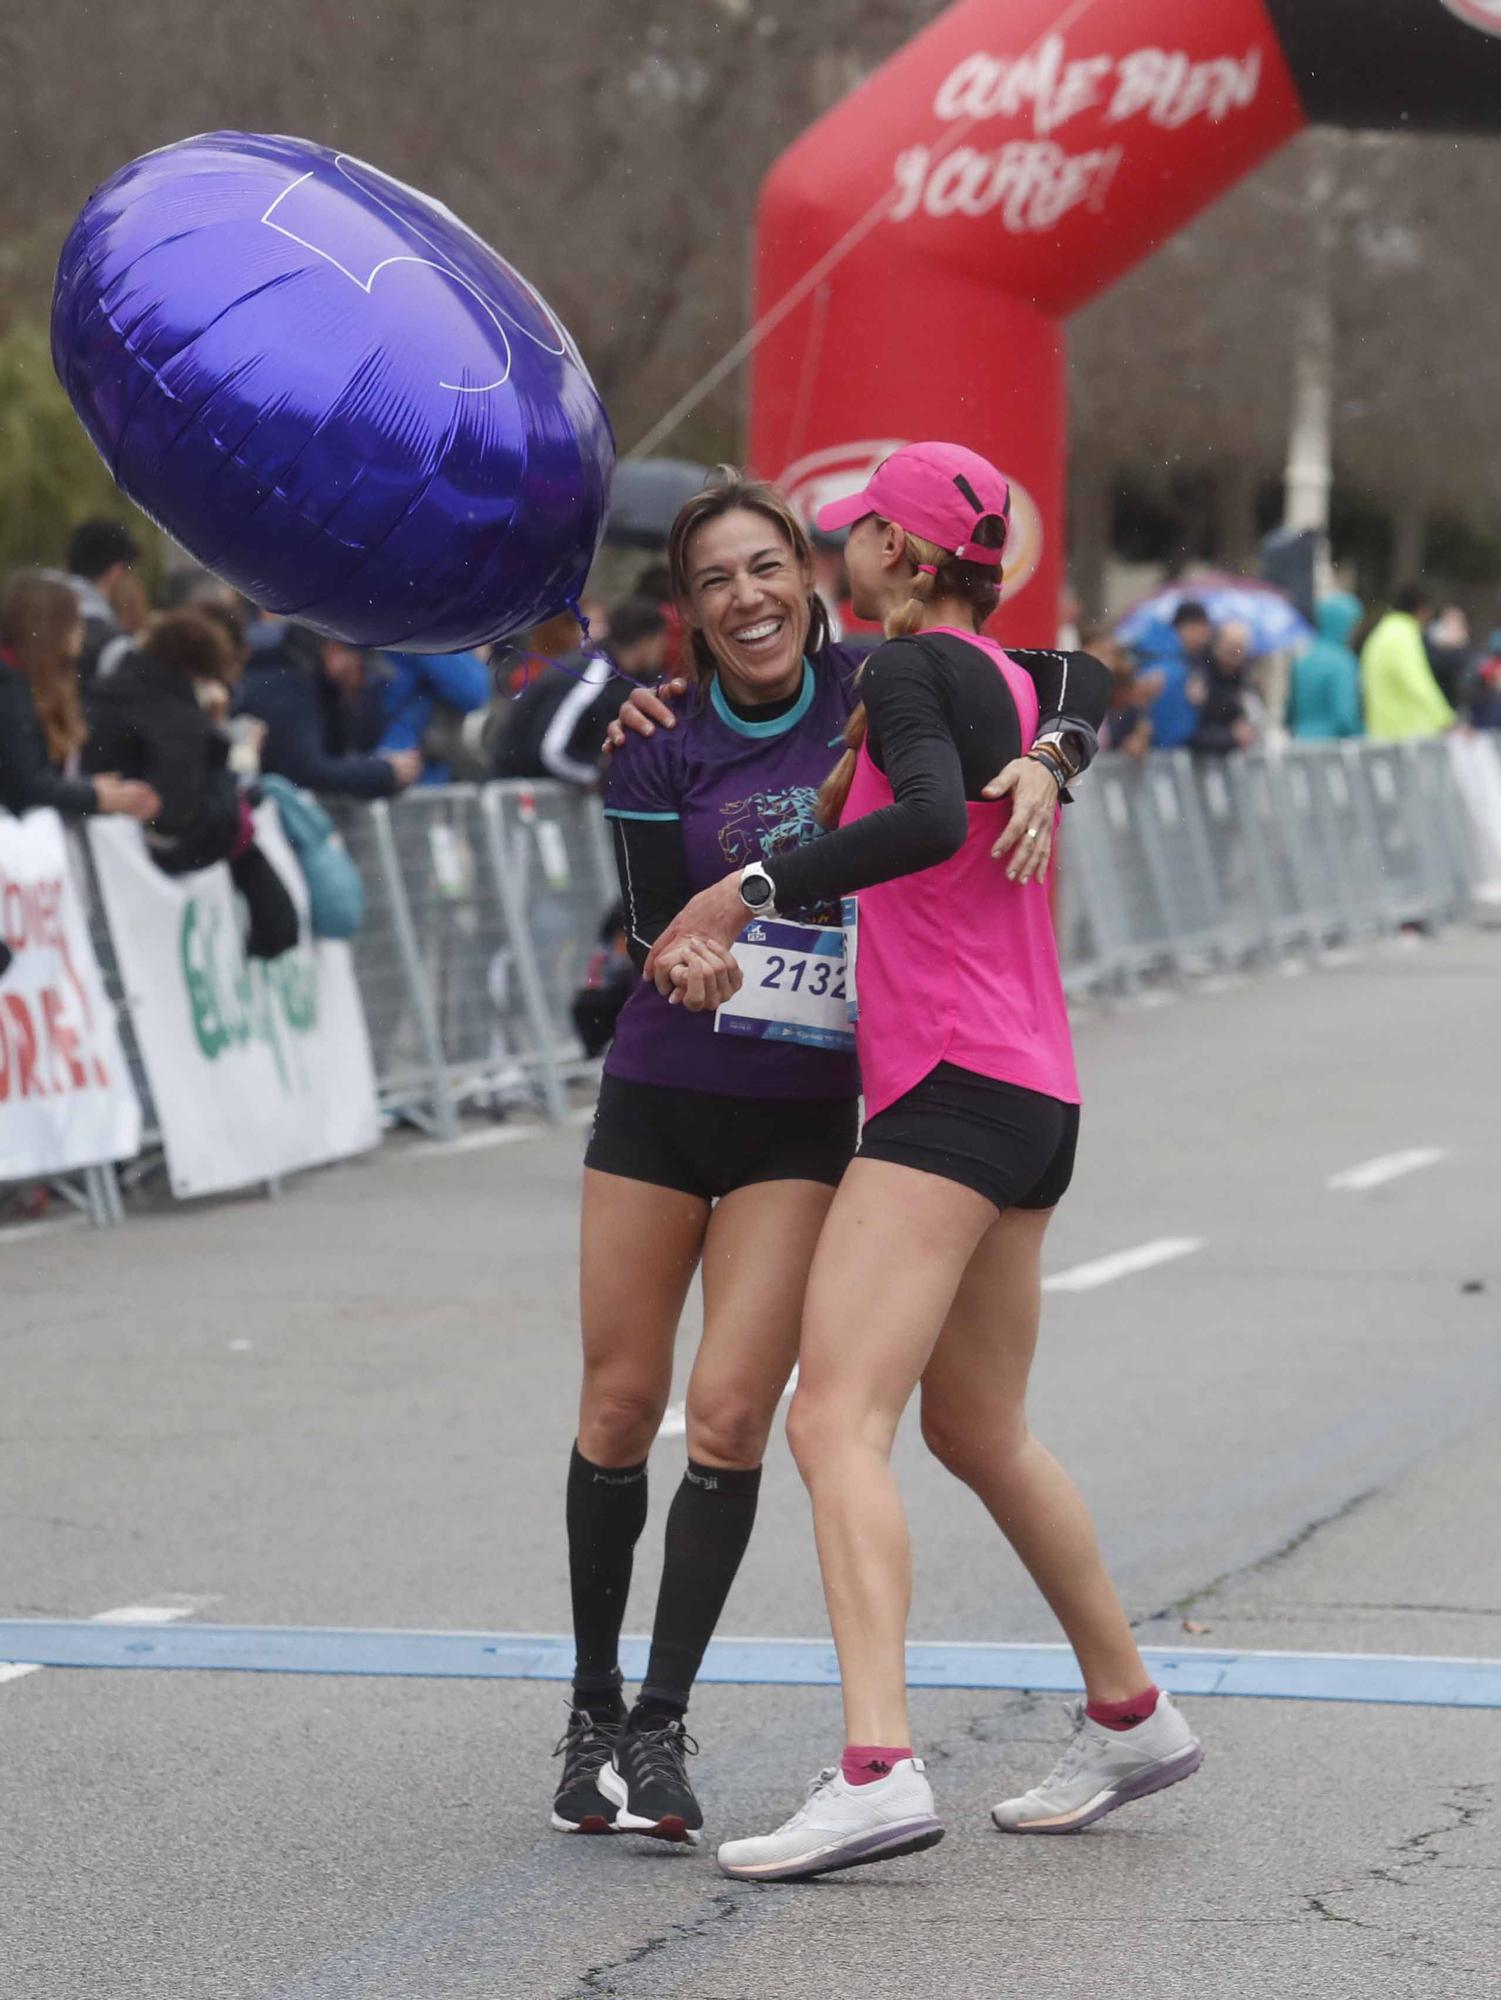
{"x": 849, "y": 911}
{"x": 795, "y": 988}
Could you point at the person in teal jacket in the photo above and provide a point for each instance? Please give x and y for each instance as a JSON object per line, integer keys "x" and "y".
{"x": 1324, "y": 702}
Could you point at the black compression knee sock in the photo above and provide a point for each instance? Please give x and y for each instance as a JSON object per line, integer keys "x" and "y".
{"x": 606, "y": 1513}
{"x": 708, "y": 1527}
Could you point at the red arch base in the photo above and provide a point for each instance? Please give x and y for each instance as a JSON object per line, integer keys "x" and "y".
{"x": 1019, "y": 155}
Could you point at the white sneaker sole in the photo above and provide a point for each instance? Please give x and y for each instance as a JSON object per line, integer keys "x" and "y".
{"x": 670, "y": 1828}
{"x": 856, "y": 1850}
{"x": 1140, "y": 1785}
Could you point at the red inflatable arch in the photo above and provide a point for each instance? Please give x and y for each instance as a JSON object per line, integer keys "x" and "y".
{"x": 920, "y": 246}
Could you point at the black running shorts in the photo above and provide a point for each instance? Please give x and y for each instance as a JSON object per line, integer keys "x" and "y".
{"x": 1014, "y": 1146}
{"x": 709, "y": 1146}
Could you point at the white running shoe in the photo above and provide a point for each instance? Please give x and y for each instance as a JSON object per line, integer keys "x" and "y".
{"x": 1103, "y": 1769}
{"x": 840, "y": 1825}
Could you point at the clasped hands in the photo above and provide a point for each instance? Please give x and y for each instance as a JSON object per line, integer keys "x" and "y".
{"x": 693, "y": 971}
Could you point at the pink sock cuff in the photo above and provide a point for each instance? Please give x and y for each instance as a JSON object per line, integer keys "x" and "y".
{"x": 865, "y": 1763}
{"x": 1123, "y": 1714}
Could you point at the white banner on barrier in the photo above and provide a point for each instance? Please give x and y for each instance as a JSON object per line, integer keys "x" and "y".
{"x": 1476, "y": 763}
{"x": 66, "y": 1098}
{"x": 256, "y": 1067}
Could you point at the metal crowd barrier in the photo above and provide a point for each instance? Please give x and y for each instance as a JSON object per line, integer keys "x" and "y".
{"x": 484, "y": 903}
{"x": 1176, "y": 864}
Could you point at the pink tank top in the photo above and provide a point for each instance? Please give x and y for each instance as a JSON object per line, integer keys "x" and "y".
{"x": 956, "y": 964}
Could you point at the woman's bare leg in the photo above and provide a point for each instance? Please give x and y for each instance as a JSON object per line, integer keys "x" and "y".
{"x": 974, "y": 1393}
{"x": 640, "y": 1248}
{"x": 756, "y": 1260}
{"x": 892, "y": 1254}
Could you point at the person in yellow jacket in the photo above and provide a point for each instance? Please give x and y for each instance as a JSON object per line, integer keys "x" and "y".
{"x": 1396, "y": 682}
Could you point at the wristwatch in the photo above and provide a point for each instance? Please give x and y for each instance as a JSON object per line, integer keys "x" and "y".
{"x": 757, "y": 890}
{"x": 1069, "y": 758}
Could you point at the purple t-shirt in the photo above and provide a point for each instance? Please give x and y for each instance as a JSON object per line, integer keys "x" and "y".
{"x": 742, "y": 791}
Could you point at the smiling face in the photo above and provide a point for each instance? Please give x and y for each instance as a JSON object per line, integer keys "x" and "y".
{"x": 748, "y": 595}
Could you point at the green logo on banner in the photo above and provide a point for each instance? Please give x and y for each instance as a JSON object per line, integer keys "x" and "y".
{"x": 236, "y": 1000}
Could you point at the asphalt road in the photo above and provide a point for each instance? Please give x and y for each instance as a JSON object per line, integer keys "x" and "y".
{"x": 352, "y": 1407}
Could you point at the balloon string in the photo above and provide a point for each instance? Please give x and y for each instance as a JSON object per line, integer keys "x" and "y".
{"x": 793, "y": 297}
{"x": 588, "y": 646}
{"x": 591, "y": 647}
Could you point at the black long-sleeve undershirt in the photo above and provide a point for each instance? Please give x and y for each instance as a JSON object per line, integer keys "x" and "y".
{"x": 652, "y": 864}
{"x": 941, "y": 724}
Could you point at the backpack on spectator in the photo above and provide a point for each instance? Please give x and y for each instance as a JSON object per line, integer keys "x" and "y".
{"x": 336, "y": 895}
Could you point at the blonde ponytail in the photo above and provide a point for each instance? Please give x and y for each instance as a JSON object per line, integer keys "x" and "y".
{"x": 927, "y": 560}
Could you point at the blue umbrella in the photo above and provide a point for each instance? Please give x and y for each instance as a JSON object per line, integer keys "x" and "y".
{"x": 1275, "y": 626}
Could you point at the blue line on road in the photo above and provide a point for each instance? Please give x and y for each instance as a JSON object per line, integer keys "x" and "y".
{"x": 285, "y": 1649}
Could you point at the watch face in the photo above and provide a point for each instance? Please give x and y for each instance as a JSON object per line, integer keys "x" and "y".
{"x": 755, "y": 891}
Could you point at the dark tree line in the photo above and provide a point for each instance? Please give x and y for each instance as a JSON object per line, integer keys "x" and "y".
{"x": 613, "y": 151}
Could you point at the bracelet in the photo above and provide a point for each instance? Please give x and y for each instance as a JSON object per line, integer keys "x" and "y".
{"x": 1053, "y": 766}
{"x": 1056, "y": 746}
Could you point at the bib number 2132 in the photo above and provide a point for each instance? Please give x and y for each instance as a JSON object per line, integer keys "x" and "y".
{"x": 795, "y": 987}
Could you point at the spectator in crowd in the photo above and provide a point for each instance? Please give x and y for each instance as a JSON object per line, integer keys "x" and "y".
{"x": 606, "y": 986}
{"x": 1178, "y": 655}
{"x": 189, "y": 587}
{"x": 1402, "y": 699}
{"x": 655, "y": 585}
{"x": 539, "y": 648}
{"x": 1221, "y": 696}
{"x": 425, "y": 692}
{"x": 264, "y": 630}
{"x": 308, "y": 691}
{"x": 1128, "y": 724}
{"x": 1449, "y": 653}
{"x": 1324, "y": 703}
{"x": 155, "y": 717}
{"x": 146, "y": 720}
{"x": 1485, "y": 688}
{"x": 42, "y": 727}
{"x": 245, "y": 733}
{"x": 102, "y": 559}
{"x": 556, "y": 729}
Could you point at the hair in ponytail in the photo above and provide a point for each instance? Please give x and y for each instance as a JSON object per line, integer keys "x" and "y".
{"x": 935, "y": 573}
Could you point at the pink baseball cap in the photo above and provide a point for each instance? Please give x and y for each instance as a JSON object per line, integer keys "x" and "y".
{"x": 938, "y": 491}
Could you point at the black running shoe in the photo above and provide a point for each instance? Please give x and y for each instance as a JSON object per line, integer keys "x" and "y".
{"x": 647, "y": 1781}
{"x": 585, "y": 1748}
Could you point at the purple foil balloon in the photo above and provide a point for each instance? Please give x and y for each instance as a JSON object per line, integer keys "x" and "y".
{"x": 332, "y": 393}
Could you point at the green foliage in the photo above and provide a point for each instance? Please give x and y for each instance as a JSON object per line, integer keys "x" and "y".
{"x": 51, "y": 477}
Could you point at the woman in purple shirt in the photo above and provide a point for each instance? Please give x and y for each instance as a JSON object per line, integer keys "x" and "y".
{"x": 725, "y": 1122}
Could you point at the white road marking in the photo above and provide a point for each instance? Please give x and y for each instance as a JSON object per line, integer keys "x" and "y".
{"x": 675, "y": 1423}
{"x": 1104, "y": 1270}
{"x": 172, "y": 1607}
{"x": 1386, "y": 1167}
{"x": 167, "y": 1612}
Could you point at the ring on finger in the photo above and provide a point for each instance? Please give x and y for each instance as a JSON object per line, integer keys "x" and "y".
{"x": 1031, "y": 833}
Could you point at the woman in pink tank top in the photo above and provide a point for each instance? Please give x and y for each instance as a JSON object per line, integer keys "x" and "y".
{"x": 929, "y": 1266}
